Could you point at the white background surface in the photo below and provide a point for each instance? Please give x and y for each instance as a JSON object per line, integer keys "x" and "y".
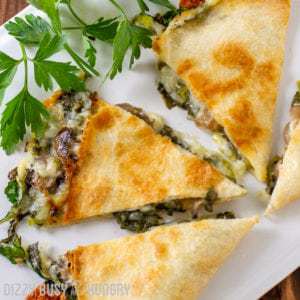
{"x": 268, "y": 254}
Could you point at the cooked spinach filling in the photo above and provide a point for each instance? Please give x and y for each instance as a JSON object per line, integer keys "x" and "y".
{"x": 175, "y": 92}
{"x": 296, "y": 99}
{"x": 174, "y": 211}
{"x": 273, "y": 173}
{"x": 166, "y": 18}
{"x": 143, "y": 219}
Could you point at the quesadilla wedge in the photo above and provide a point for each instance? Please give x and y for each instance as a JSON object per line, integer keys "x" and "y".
{"x": 97, "y": 159}
{"x": 169, "y": 262}
{"x": 229, "y": 55}
{"x": 284, "y": 173}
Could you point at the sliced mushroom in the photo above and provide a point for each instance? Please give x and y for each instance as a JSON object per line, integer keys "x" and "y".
{"x": 295, "y": 112}
{"x": 204, "y": 119}
{"x": 12, "y": 175}
{"x": 63, "y": 143}
{"x": 286, "y": 133}
{"x": 138, "y": 112}
{"x": 29, "y": 179}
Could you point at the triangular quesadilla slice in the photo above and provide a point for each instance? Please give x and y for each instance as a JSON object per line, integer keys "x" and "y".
{"x": 284, "y": 173}
{"x": 229, "y": 55}
{"x": 97, "y": 159}
{"x": 170, "y": 262}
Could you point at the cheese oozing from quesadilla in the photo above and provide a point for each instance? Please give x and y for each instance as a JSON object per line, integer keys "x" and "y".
{"x": 229, "y": 55}
{"x": 284, "y": 172}
{"x": 98, "y": 159}
{"x": 169, "y": 262}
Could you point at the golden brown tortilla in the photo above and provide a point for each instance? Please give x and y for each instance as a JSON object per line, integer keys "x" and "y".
{"x": 231, "y": 59}
{"x": 169, "y": 262}
{"x": 124, "y": 164}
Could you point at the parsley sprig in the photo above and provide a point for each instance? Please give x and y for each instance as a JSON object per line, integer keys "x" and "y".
{"x": 24, "y": 112}
{"x": 128, "y": 36}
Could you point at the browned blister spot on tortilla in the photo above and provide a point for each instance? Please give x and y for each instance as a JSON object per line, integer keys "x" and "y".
{"x": 149, "y": 187}
{"x": 149, "y": 281}
{"x": 185, "y": 66}
{"x": 146, "y": 134}
{"x": 201, "y": 225}
{"x": 242, "y": 126}
{"x": 156, "y": 45}
{"x": 132, "y": 121}
{"x": 95, "y": 197}
{"x": 135, "y": 163}
{"x": 112, "y": 268}
{"x": 74, "y": 261}
{"x": 120, "y": 150}
{"x": 160, "y": 248}
{"x": 266, "y": 76}
{"x": 231, "y": 56}
{"x": 201, "y": 173}
{"x": 266, "y": 73}
{"x": 103, "y": 120}
{"x": 175, "y": 234}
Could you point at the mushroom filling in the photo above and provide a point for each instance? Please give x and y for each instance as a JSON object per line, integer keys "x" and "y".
{"x": 43, "y": 176}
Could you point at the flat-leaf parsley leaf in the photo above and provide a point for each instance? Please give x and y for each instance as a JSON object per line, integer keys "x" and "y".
{"x": 30, "y": 30}
{"x": 24, "y": 110}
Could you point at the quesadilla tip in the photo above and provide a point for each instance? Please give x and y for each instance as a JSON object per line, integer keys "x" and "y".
{"x": 226, "y": 60}
{"x": 230, "y": 190}
{"x": 270, "y": 210}
{"x": 274, "y": 206}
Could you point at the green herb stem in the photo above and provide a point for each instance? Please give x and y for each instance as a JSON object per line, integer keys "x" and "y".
{"x": 74, "y": 14}
{"x": 73, "y": 28}
{"x": 119, "y": 7}
{"x": 80, "y": 62}
{"x": 25, "y": 60}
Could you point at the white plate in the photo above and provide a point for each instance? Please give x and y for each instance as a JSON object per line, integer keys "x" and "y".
{"x": 268, "y": 254}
